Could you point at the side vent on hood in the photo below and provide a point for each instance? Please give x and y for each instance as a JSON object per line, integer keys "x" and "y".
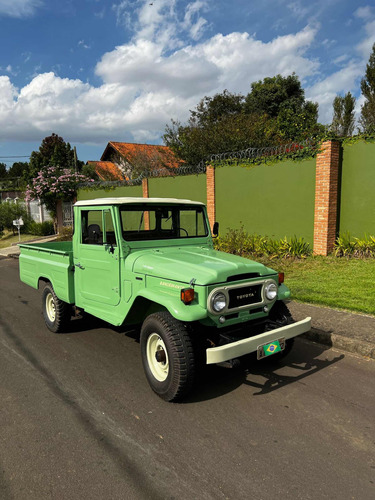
{"x": 246, "y": 276}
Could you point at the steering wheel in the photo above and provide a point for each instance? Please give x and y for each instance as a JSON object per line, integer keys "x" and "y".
{"x": 183, "y": 229}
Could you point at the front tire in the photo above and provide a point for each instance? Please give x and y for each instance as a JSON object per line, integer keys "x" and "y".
{"x": 56, "y": 313}
{"x": 167, "y": 356}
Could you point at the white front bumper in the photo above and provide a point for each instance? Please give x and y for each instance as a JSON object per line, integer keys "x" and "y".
{"x": 251, "y": 344}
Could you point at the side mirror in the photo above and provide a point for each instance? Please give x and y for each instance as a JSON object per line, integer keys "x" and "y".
{"x": 215, "y": 230}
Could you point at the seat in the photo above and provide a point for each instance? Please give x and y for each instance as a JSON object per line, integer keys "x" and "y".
{"x": 95, "y": 236}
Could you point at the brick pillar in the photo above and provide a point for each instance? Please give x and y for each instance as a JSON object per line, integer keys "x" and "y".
{"x": 211, "y": 200}
{"x": 146, "y": 195}
{"x": 145, "y": 188}
{"x": 326, "y": 197}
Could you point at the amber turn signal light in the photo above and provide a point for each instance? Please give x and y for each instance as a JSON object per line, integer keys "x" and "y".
{"x": 187, "y": 295}
{"x": 281, "y": 278}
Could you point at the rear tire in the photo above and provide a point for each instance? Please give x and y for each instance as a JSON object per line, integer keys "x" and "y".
{"x": 167, "y": 356}
{"x": 56, "y": 313}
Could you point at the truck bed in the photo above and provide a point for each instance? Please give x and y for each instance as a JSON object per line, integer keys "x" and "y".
{"x": 51, "y": 261}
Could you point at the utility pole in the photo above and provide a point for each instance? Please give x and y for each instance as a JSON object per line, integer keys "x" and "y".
{"x": 75, "y": 158}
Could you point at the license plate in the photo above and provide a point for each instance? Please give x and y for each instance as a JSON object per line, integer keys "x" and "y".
{"x": 271, "y": 348}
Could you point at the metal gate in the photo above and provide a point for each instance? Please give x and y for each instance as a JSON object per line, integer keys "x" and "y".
{"x": 67, "y": 212}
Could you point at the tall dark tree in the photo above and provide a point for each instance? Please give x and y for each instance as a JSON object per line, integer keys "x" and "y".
{"x": 284, "y": 98}
{"x": 271, "y": 95}
{"x": 3, "y": 171}
{"x": 210, "y": 110}
{"x": 367, "y": 119}
{"x": 18, "y": 169}
{"x": 53, "y": 151}
{"x": 343, "y": 120}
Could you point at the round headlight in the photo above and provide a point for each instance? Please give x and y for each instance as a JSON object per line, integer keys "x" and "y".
{"x": 219, "y": 301}
{"x": 271, "y": 291}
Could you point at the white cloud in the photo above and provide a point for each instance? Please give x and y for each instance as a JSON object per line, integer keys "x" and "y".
{"x": 83, "y": 44}
{"x": 19, "y": 8}
{"x": 144, "y": 86}
{"x": 161, "y": 21}
{"x": 341, "y": 82}
{"x": 193, "y": 21}
{"x": 298, "y": 10}
{"x": 364, "y": 12}
{"x": 162, "y": 73}
{"x": 365, "y": 46}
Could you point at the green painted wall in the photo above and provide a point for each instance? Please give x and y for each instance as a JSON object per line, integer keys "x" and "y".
{"x": 111, "y": 193}
{"x": 357, "y": 209}
{"x": 191, "y": 187}
{"x": 272, "y": 200}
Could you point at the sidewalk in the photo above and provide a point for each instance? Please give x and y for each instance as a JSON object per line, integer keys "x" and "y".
{"x": 348, "y": 331}
{"x": 14, "y": 251}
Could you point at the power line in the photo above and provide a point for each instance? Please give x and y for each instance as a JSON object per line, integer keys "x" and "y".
{"x": 28, "y": 156}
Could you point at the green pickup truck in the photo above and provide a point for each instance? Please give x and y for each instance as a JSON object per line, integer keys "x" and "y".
{"x": 151, "y": 261}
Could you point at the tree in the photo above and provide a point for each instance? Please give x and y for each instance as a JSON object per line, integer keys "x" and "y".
{"x": 9, "y": 211}
{"x": 212, "y": 109}
{"x": 367, "y": 119}
{"x": 284, "y": 98}
{"x": 53, "y": 152}
{"x": 274, "y": 112}
{"x": 343, "y": 120}
{"x": 3, "y": 171}
{"x": 18, "y": 169}
{"x": 233, "y": 133}
{"x": 53, "y": 184}
{"x": 273, "y": 94}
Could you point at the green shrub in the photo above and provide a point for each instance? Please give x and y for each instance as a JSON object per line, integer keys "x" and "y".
{"x": 239, "y": 242}
{"x": 45, "y": 228}
{"x": 346, "y": 246}
{"x": 65, "y": 234}
{"x": 10, "y": 211}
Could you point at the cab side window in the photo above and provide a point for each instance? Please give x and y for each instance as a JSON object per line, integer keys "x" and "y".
{"x": 92, "y": 227}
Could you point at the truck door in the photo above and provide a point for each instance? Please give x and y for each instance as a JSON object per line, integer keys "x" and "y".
{"x": 97, "y": 265}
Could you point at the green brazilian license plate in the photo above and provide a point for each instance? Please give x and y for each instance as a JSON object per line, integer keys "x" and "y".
{"x": 272, "y": 348}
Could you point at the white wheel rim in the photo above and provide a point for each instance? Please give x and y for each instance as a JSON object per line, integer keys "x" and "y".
{"x": 155, "y": 345}
{"x": 50, "y": 307}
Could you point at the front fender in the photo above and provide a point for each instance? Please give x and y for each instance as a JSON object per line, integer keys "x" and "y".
{"x": 283, "y": 292}
{"x": 179, "y": 310}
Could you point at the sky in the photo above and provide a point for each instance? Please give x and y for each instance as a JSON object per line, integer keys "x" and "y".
{"x": 94, "y": 71}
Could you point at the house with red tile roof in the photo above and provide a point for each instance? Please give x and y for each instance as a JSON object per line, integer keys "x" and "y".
{"x": 126, "y": 160}
{"x": 107, "y": 171}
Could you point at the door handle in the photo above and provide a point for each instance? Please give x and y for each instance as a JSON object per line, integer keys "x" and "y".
{"x": 79, "y": 265}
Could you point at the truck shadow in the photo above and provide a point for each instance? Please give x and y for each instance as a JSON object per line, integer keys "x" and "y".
{"x": 213, "y": 381}
{"x": 264, "y": 376}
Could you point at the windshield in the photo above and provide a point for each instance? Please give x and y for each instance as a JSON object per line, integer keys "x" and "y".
{"x": 160, "y": 222}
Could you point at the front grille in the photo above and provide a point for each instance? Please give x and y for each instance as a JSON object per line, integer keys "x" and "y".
{"x": 243, "y": 296}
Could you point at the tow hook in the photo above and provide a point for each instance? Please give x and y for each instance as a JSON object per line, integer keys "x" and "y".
{"x": 232, "y": 363}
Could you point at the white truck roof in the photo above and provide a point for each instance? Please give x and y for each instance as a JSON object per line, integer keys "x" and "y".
{"x": 122, "y": 201}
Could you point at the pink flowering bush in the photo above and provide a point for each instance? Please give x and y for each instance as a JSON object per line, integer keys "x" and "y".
{"x": 54, "y": 183}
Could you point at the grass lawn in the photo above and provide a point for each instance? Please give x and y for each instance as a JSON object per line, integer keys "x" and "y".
{"x": 330, "y": 281}
{"x": 7, "y": 239}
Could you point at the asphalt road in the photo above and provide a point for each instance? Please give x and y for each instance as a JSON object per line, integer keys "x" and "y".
{"x": 78, "y": 420}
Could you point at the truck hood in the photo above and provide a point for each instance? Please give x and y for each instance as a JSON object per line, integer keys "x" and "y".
{"x": 205, "y": 265}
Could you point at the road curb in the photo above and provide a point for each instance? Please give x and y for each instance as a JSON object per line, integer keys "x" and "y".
{"x": 356, "y": 346}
